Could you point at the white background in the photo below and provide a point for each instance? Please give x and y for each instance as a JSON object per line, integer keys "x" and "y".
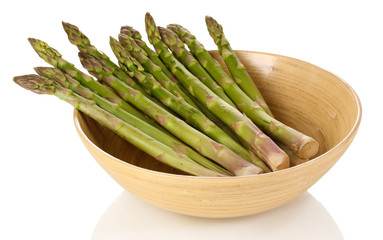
{"x": 51, "y": 188}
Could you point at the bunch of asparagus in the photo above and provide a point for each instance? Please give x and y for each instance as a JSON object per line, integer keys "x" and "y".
{"x": 177, "y": 103}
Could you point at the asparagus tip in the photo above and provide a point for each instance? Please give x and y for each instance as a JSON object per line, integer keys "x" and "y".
{"x": 208, "y": 19}
{"x": 131, "y": 32}
{"x": 31, "y": 40}
{"x": 46, "y": 52}
{"x": 65, "y": 24}
{"x": 69, "y": 27}
{"x": 164, "y": 31}
{"x": 214, "y": 28}
{"x": 150, "y": 23}
{"x": 43, "y": 70}
{"x": 35, "y": 83}
{"x": 75, "y": 36}
{"x": 125, "y": 41}
{"x": 71, "y": 30}
{"x": 35, "y": 43}
{"x": 112, "y": 40}
{"x": 147, "y": 15}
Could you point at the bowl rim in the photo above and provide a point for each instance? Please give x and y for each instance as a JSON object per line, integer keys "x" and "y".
{"x": 354, "y": 129}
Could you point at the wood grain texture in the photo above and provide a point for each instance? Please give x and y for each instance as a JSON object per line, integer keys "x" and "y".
{"x": 303, "y": 96}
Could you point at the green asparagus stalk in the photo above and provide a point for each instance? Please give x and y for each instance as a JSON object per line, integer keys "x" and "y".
{"x": 141, "y": 49}
{"x": 212, "y": 66}
{"x": 189, "y": 113}
{"x": 200, "y": 142}
{"x": 131, "y": 134}
{"x": 133, "y": 33}
{"x": 236, "y": 68}
{"x": 260, "y": 143}
{"x": 54, "y": 58}
{"x": 174, "y": 86}
{"x": 157, "y": 68}
{"x": 77, "y": 38}
{"x": 66, "y": 81}
{"x": 152, "y": 55}
{"x": 186, "y": 58}
{"x": 191, "y": 63}
{"x": 131, "y": 46}
{"x": 303, "y": 145}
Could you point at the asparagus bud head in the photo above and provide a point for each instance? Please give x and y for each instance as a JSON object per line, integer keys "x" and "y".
{"x": 131, "y": 32}
{"x": 35, "y": 83}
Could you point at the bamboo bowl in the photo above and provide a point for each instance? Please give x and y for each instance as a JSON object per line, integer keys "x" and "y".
{"x": 299, "y": 94}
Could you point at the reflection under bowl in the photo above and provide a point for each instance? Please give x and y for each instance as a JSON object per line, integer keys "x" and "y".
{"x": 301, "y": 219}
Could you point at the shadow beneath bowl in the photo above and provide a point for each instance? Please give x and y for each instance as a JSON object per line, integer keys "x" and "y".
{"x": 131, "y": 218}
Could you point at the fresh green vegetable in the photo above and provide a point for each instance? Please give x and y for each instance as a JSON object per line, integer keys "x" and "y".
{"x": 54, "y": 58}
{"x": 178, "y": 104}
{"x": 192, "y": 64}
{"x": 301, "y": 144}
{"x": 189, "y": 113}
{"x": 200, "y": 142}
{"x": 260, "y": 143}
{"x": 131, "y": 134}
{"x": 77, "y": 38}
{"x": 66, "y": 81}
{"x": 152, "y": 55}
{"x": 171, "y": 84}
{"x": 236, "y": 68}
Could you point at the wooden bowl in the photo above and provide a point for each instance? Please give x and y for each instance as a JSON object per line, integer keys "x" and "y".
{"x": 301, "y": 95}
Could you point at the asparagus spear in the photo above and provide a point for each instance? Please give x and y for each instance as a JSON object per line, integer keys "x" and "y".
{"x": 303, "y": 145}
{"x": 236, "y": 68}
{"x": 191, "y": 114}
{"x": 171, "y": 85}
{"x": 77, "y": 38}
{"x": 152, "y": 55}
{"x": 192, "y": 64}
{"x": 139, "y": 139}
{"x": 141, "y": 47}
{"x": 200, "y": 142}
{"x": 212, "y": 66}
{"x": 261, "y": 144}
{"x": 66, "y": 81}
{"x": 133, "y": 33}
{"x": 176, "y": 88}
{"x": 54, "y": 58}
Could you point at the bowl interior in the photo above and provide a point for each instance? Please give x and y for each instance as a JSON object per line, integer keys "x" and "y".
{"x": 303, "y": 96}
{"x": 114, "y": 145}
